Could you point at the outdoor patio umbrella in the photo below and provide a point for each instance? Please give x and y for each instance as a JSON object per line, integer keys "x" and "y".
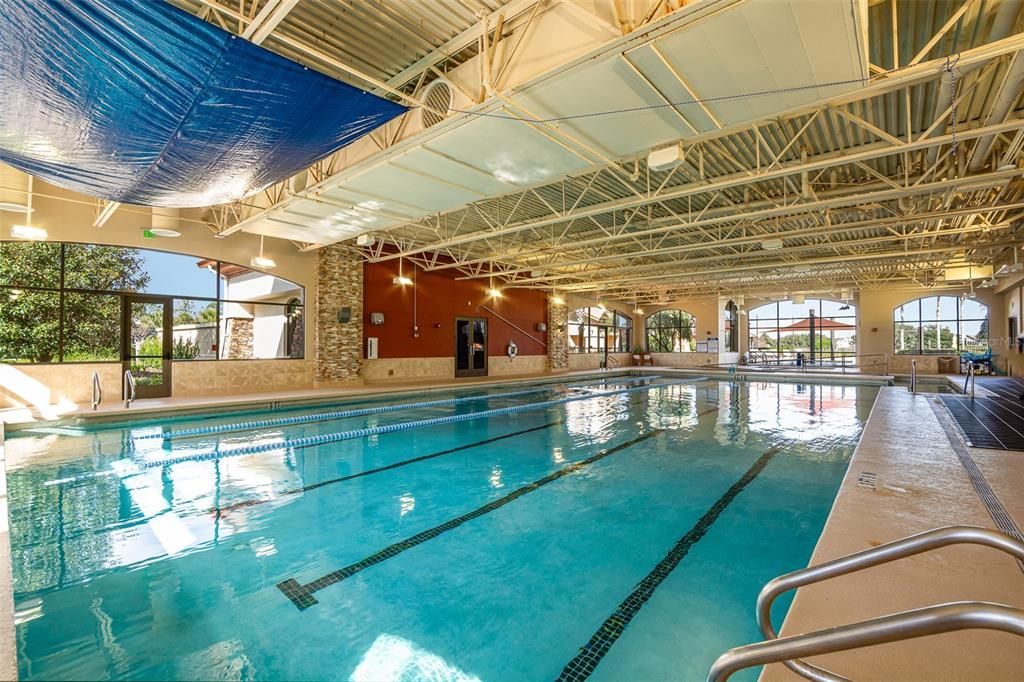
{"x": 821, "y": 324}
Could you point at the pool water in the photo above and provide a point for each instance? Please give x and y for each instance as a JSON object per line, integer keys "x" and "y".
{"x": 928, "y": 386}
{"x": 617, "y": 529}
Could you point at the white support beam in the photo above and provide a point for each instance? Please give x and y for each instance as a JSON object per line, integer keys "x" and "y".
{"x": 106, "y": 210}
{"x": 267, "y": 20}
{"x": 824, "y": 161}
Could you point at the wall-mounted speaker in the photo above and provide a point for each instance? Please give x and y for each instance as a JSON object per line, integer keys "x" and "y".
{"x": 344, "y": 315}
{"x": 376, "y": 318}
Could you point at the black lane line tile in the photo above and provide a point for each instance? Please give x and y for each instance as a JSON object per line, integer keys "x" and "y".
{"x": 302, "y": 595}
{"x": 396, "y": 465}
{"x": 580, "y": 667}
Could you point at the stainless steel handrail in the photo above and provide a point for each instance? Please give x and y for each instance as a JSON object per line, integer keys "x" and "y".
{"x": 931, "y": 620}
{"x": 97, "y": 390}
{"x": 129, "y": 388}
{"x": 913, "y": 377}
{"x": 891, "y": 551}
{"x": 970, "y": 379}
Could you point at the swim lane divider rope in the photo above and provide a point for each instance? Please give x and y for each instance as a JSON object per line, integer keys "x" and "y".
{"x": 360, "y": 412}
{"x": 326, "y": 438}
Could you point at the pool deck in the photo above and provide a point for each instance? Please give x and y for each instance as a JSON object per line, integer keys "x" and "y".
{"x": 920, "y": 484}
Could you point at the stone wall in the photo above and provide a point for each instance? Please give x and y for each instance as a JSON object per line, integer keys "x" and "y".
{"x": 558, "y": 334}
{"x": 339, "y": 346}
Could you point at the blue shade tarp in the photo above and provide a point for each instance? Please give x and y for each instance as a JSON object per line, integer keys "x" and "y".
{"x": 140, "y": 102}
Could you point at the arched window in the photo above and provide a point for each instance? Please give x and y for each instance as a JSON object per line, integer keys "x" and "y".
{"x": 670, "y": 331}
{"x": 597, "y": 329}
{"x": 783, "y": 329}
{"x": 730, "y": 344}
{"x": 940, "y": 324}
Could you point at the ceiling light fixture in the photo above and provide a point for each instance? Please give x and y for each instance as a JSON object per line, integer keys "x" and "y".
{"x": 14, "y": 208}
{"x": 491, "y": 291}
{"x": 771, "y": 244}
{"x": 557, "y": 300}
{"x": 262, "y": 261}
{"x": 401, "y": 279}
{"x": 35, "y": 234}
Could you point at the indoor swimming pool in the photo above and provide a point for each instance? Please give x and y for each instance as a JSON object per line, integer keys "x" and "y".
{"x": 617, "y": 528}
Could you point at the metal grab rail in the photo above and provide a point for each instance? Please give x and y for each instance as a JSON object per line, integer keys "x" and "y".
{"x": 913, "y": 377}
{"x": 970, "y": 378}
{"x": 891, "y": 551}
{"x": 129, "y": 388}
{"x": 97, "y": 390}
{"x": 931, "y": 620}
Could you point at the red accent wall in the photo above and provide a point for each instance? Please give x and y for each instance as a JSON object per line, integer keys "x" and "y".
{"x": 440, "y": 298}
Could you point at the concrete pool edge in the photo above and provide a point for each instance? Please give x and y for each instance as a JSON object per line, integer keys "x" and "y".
{"x": 8, "y": 648}
{"x": 916, "y": 483}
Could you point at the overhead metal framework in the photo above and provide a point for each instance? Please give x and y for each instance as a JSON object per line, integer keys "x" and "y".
{"x": 887, "y": 179}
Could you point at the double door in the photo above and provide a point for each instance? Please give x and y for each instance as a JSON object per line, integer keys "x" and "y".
{"x": 470, "y": 347}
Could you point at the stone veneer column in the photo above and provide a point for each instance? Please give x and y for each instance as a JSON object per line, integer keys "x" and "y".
{"x": 558, "y": 334}
{"x": 239, "y": 338}
{"x": 339, "y": 284}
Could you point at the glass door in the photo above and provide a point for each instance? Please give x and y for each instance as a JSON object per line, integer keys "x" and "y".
{"x": 146, "y": 344}
{"x": 470, "y": 347}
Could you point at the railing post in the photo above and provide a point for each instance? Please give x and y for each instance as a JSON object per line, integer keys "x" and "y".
{"x": 913, "y": 376}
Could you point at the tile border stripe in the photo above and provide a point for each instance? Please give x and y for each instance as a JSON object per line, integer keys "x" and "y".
{"x": 590, "y": 655}
{"x": 302, "y": 595}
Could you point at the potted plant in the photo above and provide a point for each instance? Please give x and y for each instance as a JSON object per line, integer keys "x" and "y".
{"x": 637, "y": 353}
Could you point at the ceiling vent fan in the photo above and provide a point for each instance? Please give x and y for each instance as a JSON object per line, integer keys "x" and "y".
{"x": 438, "y": 96}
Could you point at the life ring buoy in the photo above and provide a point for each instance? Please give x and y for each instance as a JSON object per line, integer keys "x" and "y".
{"x": 512, "y": 350}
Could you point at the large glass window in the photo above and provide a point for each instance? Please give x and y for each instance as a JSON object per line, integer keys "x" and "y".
{"x": 940, "y": 324}
{"x": 670, "y": 331}
{"x": 598, "y": 329}
{"x": 780, "y": 330}
{"x": 63, "y": 302}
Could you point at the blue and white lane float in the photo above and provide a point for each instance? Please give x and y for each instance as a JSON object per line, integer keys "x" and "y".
{"x": 360, "y": 412}
{"x": 326, "y": 438}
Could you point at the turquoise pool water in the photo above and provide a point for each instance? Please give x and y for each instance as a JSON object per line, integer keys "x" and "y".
{"x": 616, "y": 529}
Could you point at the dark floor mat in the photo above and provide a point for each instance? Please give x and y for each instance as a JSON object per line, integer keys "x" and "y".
{"x": 1010, "y": 388}
{"x": 989, "y": 422}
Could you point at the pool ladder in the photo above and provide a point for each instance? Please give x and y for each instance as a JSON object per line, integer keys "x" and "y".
{"x": 128, "y": 388}
{"x": 930, "y": 620}
{"x": 97, "y": 390}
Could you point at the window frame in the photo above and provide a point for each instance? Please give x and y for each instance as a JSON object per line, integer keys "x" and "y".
{"x": 62, "y": 290}
{"x": 755, "y": 324}
{"x": 682, "y": 325}
{"x": 601, "y": 334}
{"x": 920, "y": 323}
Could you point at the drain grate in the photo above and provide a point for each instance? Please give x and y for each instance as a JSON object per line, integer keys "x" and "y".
{"x": 867, "y": 480}
{"x": 988, "y": 497}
